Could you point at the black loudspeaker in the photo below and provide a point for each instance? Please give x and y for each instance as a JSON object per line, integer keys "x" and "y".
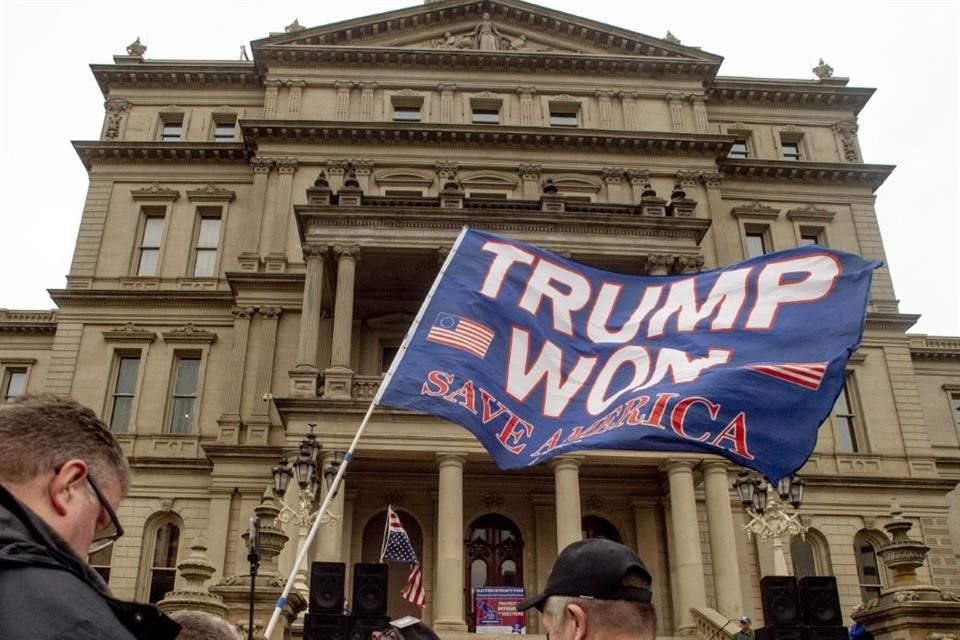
{"x": 781, "y": 633}
{"x": 781, "y": 602}
{"x": 360, "y": 627}
{"x": 369, "y": 589}
{"x": 326, "y": 587}
{"x": 820, "y": 601}
{"x": 836, "y": 632}
{"x": 324, "y": 626}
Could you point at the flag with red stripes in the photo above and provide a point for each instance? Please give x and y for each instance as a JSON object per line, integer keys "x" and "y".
{"x": 398, "y": 548}
{"x": 461, "y": 333}
{"x": 806, "y": 374}
{"x": 413, "y": 591}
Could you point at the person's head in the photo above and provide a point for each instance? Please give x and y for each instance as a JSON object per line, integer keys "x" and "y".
{"x": 597, "y": 589}
{"x": 745, "y": 623}
{"x": 61, "y": 461}
{"x": 200, "y": 625}
{"x": 405, "y": 628}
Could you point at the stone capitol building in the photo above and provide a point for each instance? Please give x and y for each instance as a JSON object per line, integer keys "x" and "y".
{"x": 258, "y": 235}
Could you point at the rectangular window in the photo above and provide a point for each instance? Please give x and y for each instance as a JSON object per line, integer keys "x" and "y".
{"x": 171, "y": 130}
{"x": 487, "y": 195}
{"x": 404, "y": 193}
{"x": 486, "y": 116}
{"x": 564, "y": 117}
{"x": 738, "y": 150}
{"x": 387, "y": 354}
{"x": 809, "y": 237}
{"x": 15, "y": 383}
{"x": 845, "y": 422}
{"x": 756, "y": 244}
{"x": 185, "y": 394}
{"x": 224, "y": 130}
{"x": 150, "y": 246}
{"x": 955, "y": 400}
{"x": 406, "y": 113}
{"x": 124, "y": 389}
{"x": 208, "y": 239}
{"x": 791, "y": 150}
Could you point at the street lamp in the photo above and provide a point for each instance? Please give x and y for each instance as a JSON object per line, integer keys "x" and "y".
{"x": 768, "y": 517}
{"x": 306, "y": 468}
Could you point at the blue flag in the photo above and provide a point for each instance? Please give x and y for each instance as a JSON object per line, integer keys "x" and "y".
{"x": 539, "y": 356}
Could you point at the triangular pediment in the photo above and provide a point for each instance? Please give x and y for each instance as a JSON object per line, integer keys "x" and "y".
{"x": 485, "y": 26}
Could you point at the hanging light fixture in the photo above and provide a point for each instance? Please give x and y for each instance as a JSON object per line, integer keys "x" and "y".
{"x": 281, "y": 477}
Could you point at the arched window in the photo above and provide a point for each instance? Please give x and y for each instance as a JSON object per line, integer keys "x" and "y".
{"x": 100, "y": 562}
{"x": 868, "y": 565}
{"x": 397, "y": 606}
{"x": 809, "y": 555}
{"x": 597, "y": 527}
{"x": 494, "y": 557}
{"x": 163, "y": 568}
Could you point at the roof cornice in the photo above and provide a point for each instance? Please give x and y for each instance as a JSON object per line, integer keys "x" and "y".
{"x": 806, "y": 93}
{"x": 13, "y": 321}
{"x": 93, "y": 152}
{"x": 451, "y": 135}
{"x": 462, "y": 59}
{"x": 170, "y": 73}
{"x": 871, "y": 175}
{"x": 156, "y": 298}
{"x": 935, "y": 347}
{"x": 885, "y": 321}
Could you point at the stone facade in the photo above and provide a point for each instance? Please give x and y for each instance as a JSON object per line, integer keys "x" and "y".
{"x": 257, "y": 237}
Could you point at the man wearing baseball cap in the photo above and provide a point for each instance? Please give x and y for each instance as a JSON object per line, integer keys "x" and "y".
{"x": 597, "y": 589}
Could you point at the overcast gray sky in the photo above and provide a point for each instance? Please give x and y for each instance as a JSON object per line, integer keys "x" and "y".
{"x": 906, "y": 50}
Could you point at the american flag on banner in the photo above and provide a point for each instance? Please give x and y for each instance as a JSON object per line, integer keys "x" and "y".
{"x": 397, "y": 548}
{"x": 461, "y": 333}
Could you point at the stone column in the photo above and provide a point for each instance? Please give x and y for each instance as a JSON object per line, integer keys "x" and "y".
{"x": 295, "y": 96}
{"x": 277, "y": 260}
{"x": 330, "y": 536}
{"x": 367, "y": 90}
{"x": 448, "y": 593}
{"x": 689, "y": 586}
{"x": 229, "y": 420}
{"x": 606, "y": 109}
{"x": 676, "y": 111}
{"x": 219, "y": 526}
{"x": 647, "y": 527}
{"x": 446, "y": 101}
{"x": 725, "y": 225}
{"x": 249, "y": 258}
{"x": 530, "y": 177}
{"x": 700, "y": 114}
{"x": 258, "y": 427}
{"x": 526, "y": 105}
{"x": 613, "y": 179}
{"x": 566, "y": 478}
{"x": 271, "y": 90}
{"x": 631, "y": 121}
{"x": 723, "y": 544}
{"x": 343, "y": 99}
{"x": 303, "y": 379}
{"x": 658, "y": 264}
{"x": 339, "y": 375}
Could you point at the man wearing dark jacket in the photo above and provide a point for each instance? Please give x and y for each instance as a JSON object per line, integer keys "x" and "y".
{"x": 62, "y": 476}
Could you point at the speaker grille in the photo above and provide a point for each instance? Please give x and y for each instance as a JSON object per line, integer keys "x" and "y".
{"x": 326, "y": 587}
{"x": 324, "y": 626}
{"x": 360, "y": 627}
{"x": 820, "y": 601}
{"x": 781, "y": 602}
{"x": 370, "y": 589}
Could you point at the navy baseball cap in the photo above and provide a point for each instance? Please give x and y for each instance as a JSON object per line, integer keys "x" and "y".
{"x": 594, "y": 569}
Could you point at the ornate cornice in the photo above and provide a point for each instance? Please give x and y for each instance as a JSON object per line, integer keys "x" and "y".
{"x": 755, "y": 209}
{"x": 935, "y": 347}
{"x": 245, "y": 283}
{"x": 139, "y": 298}
{"x": 129, "y": 333}
{"x": 97, "y": 152}
{"x": 447, "y": 135}
{"x": 211, "y": 193}
{"x": 883, "y": 321}
{"x": 805, "y": 93}
{"x": 189, "y": 333}
{"x": 811, "y": 213}
{"x": 870, "y": 175}
{"x": 12, "y": 321}
{"x": 155, "y": 193}
{"x": 234, "y": 75}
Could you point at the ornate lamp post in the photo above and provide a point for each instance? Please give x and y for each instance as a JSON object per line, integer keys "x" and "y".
{"x": 306, "y": 467}
{"x": 769, "y": 519}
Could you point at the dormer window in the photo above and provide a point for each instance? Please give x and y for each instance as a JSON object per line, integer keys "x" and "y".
{"x": 171, "y": 130}
{"x": 406, "y": 113}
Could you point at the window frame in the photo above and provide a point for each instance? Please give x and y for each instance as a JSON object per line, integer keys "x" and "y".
{"x": 10, "y": 367}
{"x": 148, "y": 213}
{"x": 172, "y": 395}
{"x": 745, "y": 153}
{"x": 760, "y": 231}
{"x": 118, "y": 356}
{"x": 221, "y": 120}
{"x": 170, "y": 120}
{"x": 206, "y": 213}
{"x": 873, "y": 539}
{"x": 850, "y": 392}
{"x": 148, "y": 549}
{"x": 794, "y": 137}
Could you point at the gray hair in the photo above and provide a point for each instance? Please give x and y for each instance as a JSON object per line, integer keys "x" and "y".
{"x": 200, "y": 625}
{"x": 610, "y": 617}
{"x": 41, "y": 432}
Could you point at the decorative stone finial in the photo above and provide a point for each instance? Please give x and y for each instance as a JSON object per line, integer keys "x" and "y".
{"x": 294, "y": 26}
{"x": 648, "y": 191}
{"x": 193, "y": 573}
{"x": 549, "y": 187}
{"x": 135, "y": 48}
{"x": 351, "y": 181}
{"x": 321, "y": 181}
{"x": 678, "y": 193}
{"x": 903, "y": 555}
{"x": 823, "y": 70}
{"x": 671, "y": 38}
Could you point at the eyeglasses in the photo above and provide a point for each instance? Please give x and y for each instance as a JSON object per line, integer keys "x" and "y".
{"x": 113, "y": 531}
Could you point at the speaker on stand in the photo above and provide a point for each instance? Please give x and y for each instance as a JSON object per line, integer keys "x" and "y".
{"x": 326, "y": 587}
{"x": 781, "y": 601}
{"x": 370, "y": 582}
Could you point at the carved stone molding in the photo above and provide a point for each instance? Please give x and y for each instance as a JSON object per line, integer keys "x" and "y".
{"x": 756, "y": 209}
{"x": 155, "y": 193}
{"x": 687, "y": 178}
{"x": 530, "y": 171}
{"x": 129, "y": 333}
{"x": 689, "y": 264}
{"x": 446, "y": 169}
{"x": 270, "y": 313}
{"x": 287, "y": 165}
{"x": 261, "y": 165}
{"x": 211, "y": 193}
{"x": 116, "y": 109}
{"x": 612, "y": 174}
{"x": 711, "y": 179}
{"x": 637, "y": 176}
{"x": 244, "y": 313}
{"x": 811, "y": 212}
{"x": 363, "y": 166}
{"x": 347, "y": 251}
{"x": 189, "y": 333}
{"x": 658, "y": 263}
{"x": 313, "y": 251}
{"x": 847, "y": 131}
{"x": 336, "y": 167}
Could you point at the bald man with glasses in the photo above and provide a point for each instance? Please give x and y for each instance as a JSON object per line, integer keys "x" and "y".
{"x": 62, "y": 477}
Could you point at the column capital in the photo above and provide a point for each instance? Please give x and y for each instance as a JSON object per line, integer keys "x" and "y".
{"x": 526, "y": 90}
{"x": 678, "y": 465}
{"x": 530, "y": 171}
{"x": 287, "y": 165}
{"x": 296, "y": 84}
{"x": 714, "y": 466}
{"x": 446, "y": 86}
{"x": 261, "y": 165}
{"x": 451, "y": 459}
{"x": 604, "y": 93}
{"x": 566, "y": 462}
{"x": 314, "y": 252}
{"x": 244, "y": 313}
{"x": 347, "y": 251}
{"x": 367, "y": 86}
{"x": 271, "y": 313}
{"x": 344, "y": 85}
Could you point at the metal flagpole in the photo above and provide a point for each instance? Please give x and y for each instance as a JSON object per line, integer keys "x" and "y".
{"x": 348, "y": 456}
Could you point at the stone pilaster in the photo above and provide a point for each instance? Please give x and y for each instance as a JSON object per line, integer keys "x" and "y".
{"x": 530, "y": 178}
{"x": 613, "y": 181}
{"x": 330, "y": 536}
{"x": 676, "y": 112}
{"x": 249, "y": 258}
{"x": 446, "y": 101}
{"x": 270, "y": 93}
{"x": 276, "y": 261}
{"x": 367, "y": 91}
{"x": 116, "y": 115}
{"x": 448, "y": 594}
{"x": 631, "y": 119}
{"x": 566, "y": 478}
{"x": 689, "y": 587}
{"x": 637, "y": 178}
{"x": 303, "y": 379}
{"x": 229, "y": 421}
{"x": 258, "y": 427}
{"x": 526, "y": 105}
{"x": 723, "y": 544}
{"x": 339, "y": 376}
{"x": 700, "y": 114}
{"x": 604, "y": 97}
{"x": 343, "y": 99}
{"x": 294, "y": 98}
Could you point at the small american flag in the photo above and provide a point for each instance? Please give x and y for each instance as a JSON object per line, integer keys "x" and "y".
{"x": 397, "y": 548}
{"x": 460, "y": 333}
{"x": 805, "y": 374}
